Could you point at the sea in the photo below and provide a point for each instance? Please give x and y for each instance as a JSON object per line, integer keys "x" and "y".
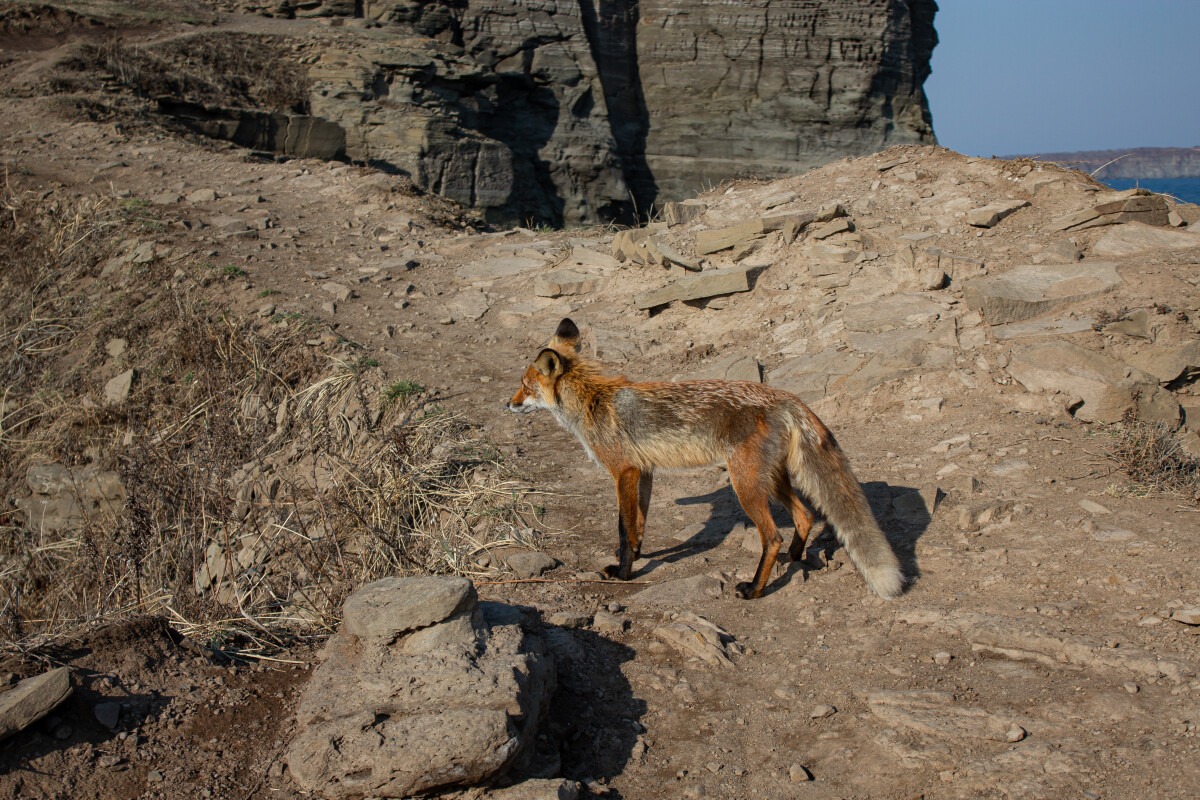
{"x": 1186, "y": 190}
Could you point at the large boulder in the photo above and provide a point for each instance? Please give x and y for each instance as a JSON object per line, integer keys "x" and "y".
{"x": 1102, "y": 389}
{"x": 420, "y": 688}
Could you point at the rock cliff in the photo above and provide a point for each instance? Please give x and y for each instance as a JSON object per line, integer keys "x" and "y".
{"x": 577, "y": 112}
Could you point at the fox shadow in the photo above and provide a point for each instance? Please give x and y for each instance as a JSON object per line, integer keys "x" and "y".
{"x": 902, "y": 512}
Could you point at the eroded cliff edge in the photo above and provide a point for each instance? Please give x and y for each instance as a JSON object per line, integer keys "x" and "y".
{"x": 551, "y": 111}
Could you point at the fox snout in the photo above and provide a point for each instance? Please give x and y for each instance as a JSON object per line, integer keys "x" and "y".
{"x": 517, "y": 403}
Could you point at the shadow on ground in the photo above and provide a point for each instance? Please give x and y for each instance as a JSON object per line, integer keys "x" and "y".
{"x": 902, "y": 513}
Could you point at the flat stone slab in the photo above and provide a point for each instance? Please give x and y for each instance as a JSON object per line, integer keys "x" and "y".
{"x": 1169, "y": 363}
{"x": 809, "y": 377}
{"x": 388, "y": 608}
{"x": 1028, "y": 291}
{"x": 1137, "y": 237}
{"x": 695, "y": 287}
{"x": 33, "y": 698}
{"x": 1106, "y": 387}
{"x": 1042, "y": 327}
{"x": 490, "y": 269}
{"x": 905, "y": 310}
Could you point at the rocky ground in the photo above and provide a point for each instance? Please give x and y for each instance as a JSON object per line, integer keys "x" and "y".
{"x": 972, "y": 330}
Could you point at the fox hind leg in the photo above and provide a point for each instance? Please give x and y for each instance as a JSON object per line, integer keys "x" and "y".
{"x": 802, "y": 518}
{"x": 753, "y": 495}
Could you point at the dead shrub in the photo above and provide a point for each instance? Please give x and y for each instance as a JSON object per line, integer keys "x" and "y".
{"x": 1152, "y": 455}
{"x": 263, "y": 478}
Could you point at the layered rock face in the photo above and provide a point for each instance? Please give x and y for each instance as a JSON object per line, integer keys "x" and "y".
{"x": 776, "y": 88}
{"x": 580, "y": 112}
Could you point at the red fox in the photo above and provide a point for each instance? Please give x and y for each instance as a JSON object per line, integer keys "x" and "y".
{"x": 773, "y": 444}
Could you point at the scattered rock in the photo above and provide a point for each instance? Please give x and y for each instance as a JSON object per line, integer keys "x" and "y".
{"x": 1170, "y": 364}
{"x": 682, "y": 213}
{"x": 1133, "y": 205}
{"x": 680, "y": 592}
{"x": 391, "y": 607}
{"x": 1134, "y": 238}
{"x": 1188, "y": 616}
{"x": 530, "y": 564}
{"x": 31, "y": 699}
{"x": 340, "y": 291}
{"x": 1135, "y": 324}
{"x": 724, "y": 238}
{"x": 115, "y": 347}
{"x": 1093, "y": 507}
{"x": 202, "y": 196}
{"x": 936, "y": 714}
{"x": 538, "y": 789}
{"x": 697, "y": 636}
{"x": 108, "y": 714}
{"x": 822, "y": 711}
{"x": 564, "y": 282}
{"x": 117, "y": 390}
{"x": 1010, "y": 638}
{"x": 568, "y": 619}
{"x": 778, "y": 200}
{"x": 490, "y": 269}
{"x": 695, "y": 287}
{"x": 831, "y": 228}
{"x": 990, "y": 215}
{"x": 605, "y": 622}
{"x": 798, "y": 774}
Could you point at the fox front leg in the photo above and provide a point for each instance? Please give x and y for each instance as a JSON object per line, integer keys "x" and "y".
{"x": 628, "y": 530}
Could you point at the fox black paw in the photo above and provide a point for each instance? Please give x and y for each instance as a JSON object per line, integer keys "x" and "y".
{"x": 614, "y": 572}
{"x": 745, "y": 591}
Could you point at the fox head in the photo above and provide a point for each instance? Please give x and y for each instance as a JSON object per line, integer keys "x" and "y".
{"x": 540, "y": 378}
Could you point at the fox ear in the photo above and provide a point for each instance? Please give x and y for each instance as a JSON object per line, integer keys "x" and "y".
{"x": 549, "y": 363}
{"x": 566, "y": 337}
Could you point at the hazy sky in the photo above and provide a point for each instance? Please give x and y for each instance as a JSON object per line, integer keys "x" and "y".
{"x": 1036, "y": 76}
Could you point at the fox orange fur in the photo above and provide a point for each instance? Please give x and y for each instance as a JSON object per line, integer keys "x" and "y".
{"x": 773, "y": 444}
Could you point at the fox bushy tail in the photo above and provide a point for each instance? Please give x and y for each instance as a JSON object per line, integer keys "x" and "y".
{"x": 821, "y": 471}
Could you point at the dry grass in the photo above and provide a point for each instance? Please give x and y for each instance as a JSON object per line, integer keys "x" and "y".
{"x": 1153, "y": 456}
{"x": 232, "y": 70}
{"x": 263, "y": 478}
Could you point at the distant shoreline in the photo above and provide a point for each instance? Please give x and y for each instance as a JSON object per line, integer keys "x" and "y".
{"x": 1132, "y": 163}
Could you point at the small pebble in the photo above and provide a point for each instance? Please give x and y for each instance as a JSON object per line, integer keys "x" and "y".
{"x": 1014, "y": 734}
{"x": 822, "y": 711}
{"x": 942, "y": 658}
{"x": 1131, "y": 687}
{"x": 799, "y": 774}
